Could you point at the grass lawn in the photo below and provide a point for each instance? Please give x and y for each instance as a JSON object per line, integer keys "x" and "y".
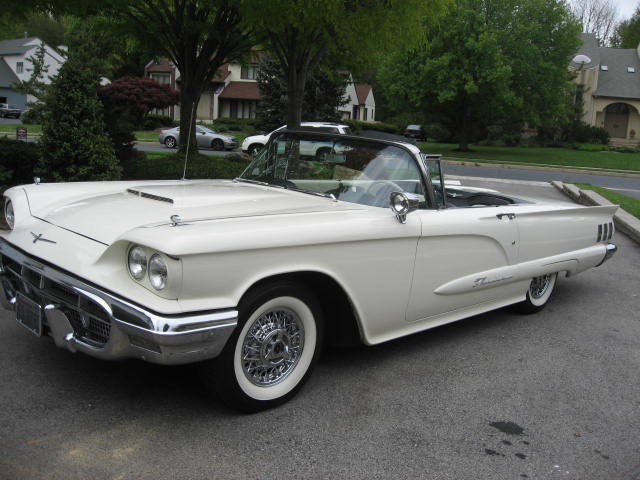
{"x": 539, "y": 156}
{"x": 631, "y": 205}
{"x": 9, "y": 129}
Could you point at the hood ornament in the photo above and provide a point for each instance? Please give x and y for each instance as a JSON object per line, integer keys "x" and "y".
{"x": 40, "y": 237}
{"x": 176, "y": 220}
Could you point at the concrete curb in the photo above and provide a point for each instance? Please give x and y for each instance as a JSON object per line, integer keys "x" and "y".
{"x": 624, "y": 221}
{"x": 541, "y": 168}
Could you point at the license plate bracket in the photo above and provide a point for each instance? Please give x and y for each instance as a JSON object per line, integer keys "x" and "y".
{"x": 29, "y": 314}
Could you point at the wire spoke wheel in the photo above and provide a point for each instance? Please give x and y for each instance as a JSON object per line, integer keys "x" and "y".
{"x": 539, "y": 286}
{"x": 272, "y": 347}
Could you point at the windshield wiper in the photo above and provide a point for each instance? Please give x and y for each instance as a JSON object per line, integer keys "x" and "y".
{"x": 318, "y": 194}
{"x": 257, "y": 182}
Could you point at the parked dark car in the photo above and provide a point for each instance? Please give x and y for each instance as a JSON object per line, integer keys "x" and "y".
{"x": 9, "y": 110}
{"x": 415, "y": 131}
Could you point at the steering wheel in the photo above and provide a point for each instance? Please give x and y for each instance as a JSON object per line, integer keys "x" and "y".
{"x": 377, "y": 193}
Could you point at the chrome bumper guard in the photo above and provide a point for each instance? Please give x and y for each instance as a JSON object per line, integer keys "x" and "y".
{"x": 610, "y": 251}
{"x": 85, "y": 318}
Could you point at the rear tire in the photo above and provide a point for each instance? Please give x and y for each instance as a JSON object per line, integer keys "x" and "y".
{"x": 170, "y": 142}
{"x": 272, "y": 351}
{"x": 538, "y": 294}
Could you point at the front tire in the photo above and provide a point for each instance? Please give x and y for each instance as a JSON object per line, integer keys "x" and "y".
{"x": 272, "y": 351}
{"x": 538, "y": 294}
{"x": 255, "y": 148}
{"x": 217, "y": 144}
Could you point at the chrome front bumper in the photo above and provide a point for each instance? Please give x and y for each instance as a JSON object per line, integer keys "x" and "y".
{"x": 85, "y": 318}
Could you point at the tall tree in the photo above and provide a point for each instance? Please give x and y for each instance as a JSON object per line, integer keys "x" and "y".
{"x": 324, "y": 94}
{"x": 598, "y": 17}
{"x": 300, "y": 33}
{"x": 198, "y": 36}
{"x": 628, "y": 32}
{"x": 488, "y": 61}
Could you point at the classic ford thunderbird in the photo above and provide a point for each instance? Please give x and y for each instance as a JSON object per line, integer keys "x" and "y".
{"x": 361, "y": 240}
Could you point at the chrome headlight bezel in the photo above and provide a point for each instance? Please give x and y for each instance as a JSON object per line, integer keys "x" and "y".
{"x": 162, "y": 273}
{"x": 9, "y": 213}
{"x": 158, "y": 272}
{"x": 137, "y": 262}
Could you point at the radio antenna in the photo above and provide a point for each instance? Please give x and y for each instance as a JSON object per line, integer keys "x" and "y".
{"x": 186, "y": 154}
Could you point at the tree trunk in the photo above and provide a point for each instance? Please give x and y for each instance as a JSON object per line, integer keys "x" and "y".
{"x": 295, "y": 92}
{"x": 188, "y": 109}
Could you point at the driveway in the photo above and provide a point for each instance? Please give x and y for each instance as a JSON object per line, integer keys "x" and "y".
{"x": 498, "y": 396}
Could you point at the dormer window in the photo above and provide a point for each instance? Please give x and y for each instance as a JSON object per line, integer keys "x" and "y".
{"x": 604, "y": 68}
{"x": 19, "y": 67}
{"x": 631, "y": 70}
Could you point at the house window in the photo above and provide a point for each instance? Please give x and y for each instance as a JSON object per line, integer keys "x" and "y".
{"x": 163, "y": 78}
{"x": 19, "y": 67}
{"x": 364, "y": 115}
{"x": 248, "y": 72}
{"x": 355, "y": 112}
{"x": 631, "y": 70}
{"x": 604, "y": 68}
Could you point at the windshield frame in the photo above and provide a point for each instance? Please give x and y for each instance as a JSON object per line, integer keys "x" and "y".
{"x": 430, "y": 198}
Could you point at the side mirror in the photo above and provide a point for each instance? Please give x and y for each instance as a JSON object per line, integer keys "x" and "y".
{"x": 402, "y": 204}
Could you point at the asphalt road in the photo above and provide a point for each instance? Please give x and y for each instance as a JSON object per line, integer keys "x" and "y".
{"x": 497, "y": 396}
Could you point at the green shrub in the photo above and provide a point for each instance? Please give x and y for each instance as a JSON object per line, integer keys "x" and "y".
{"x": 19, "y": 161}
{"x": 438, "y": 132}
{"x": 170, "y": 166}
{"x": 152, "y": 121}
{"x": 584, "y": 133}
{"x": 358, "y": 126}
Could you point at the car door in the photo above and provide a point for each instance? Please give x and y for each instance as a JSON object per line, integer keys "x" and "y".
{"x": 201, "y": 137}
{"x": 464, "y": 258}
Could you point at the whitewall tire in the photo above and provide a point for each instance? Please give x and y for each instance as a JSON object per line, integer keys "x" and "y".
{"x": 273, "y": 350}
{"x": 539, "y": 292}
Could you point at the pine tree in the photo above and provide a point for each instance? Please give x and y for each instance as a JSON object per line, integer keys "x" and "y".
{"x": 75, "y": 144}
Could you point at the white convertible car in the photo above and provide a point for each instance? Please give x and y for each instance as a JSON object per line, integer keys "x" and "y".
{"x": 249, "y": 277}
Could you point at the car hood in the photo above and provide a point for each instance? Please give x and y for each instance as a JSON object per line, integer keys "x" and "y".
{"x": 107, "y": 216}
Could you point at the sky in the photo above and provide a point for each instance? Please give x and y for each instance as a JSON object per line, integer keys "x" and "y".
{"x": 625, "y": 8}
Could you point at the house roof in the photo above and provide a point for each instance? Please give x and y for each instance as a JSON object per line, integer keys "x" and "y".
{"x": 241, "y": 91}
{"x": 16, "y": 46}
{"x": 7, "y": 77}
{"x": 617, "y": 81}
{"x": 221, "y": 74}
{"x": 362, "y": 91}
{"x": 591, "y": 49}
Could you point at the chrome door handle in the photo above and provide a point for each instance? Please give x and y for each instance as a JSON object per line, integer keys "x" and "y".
{"x": 510, "y": 216}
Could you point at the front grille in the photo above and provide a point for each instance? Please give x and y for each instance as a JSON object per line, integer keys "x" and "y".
{"x": 90, "y": 321}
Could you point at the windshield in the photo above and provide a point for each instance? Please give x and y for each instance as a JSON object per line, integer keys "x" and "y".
{"x": 351, "y": 170}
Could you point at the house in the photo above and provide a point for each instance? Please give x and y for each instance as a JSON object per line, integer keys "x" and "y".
{"x": 16, "y": 66}
{"x": 608, "y": 84}
{"x": 360, "y": 102}
{"x": 234, "y": 93}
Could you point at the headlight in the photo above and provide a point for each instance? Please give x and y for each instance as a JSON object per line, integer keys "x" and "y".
{"x": 9, "y": 214}
{"x": 137, "y": 263}
{"x": 157, "y": 272}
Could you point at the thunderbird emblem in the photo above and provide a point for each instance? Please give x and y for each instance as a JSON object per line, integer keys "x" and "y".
{"x": 39, "y": 237}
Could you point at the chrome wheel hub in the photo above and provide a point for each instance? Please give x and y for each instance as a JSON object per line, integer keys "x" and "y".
{"x": 539, "y": 286}
{"x": 272, "y": 347}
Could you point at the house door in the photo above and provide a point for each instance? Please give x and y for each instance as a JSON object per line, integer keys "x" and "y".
{"x": 616, "y": 120}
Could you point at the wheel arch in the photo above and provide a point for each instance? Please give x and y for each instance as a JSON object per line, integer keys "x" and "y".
{"x": 342, "y": 323}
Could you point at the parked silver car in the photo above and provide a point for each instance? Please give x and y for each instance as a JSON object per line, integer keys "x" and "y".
{"x": 205, "y": 137}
